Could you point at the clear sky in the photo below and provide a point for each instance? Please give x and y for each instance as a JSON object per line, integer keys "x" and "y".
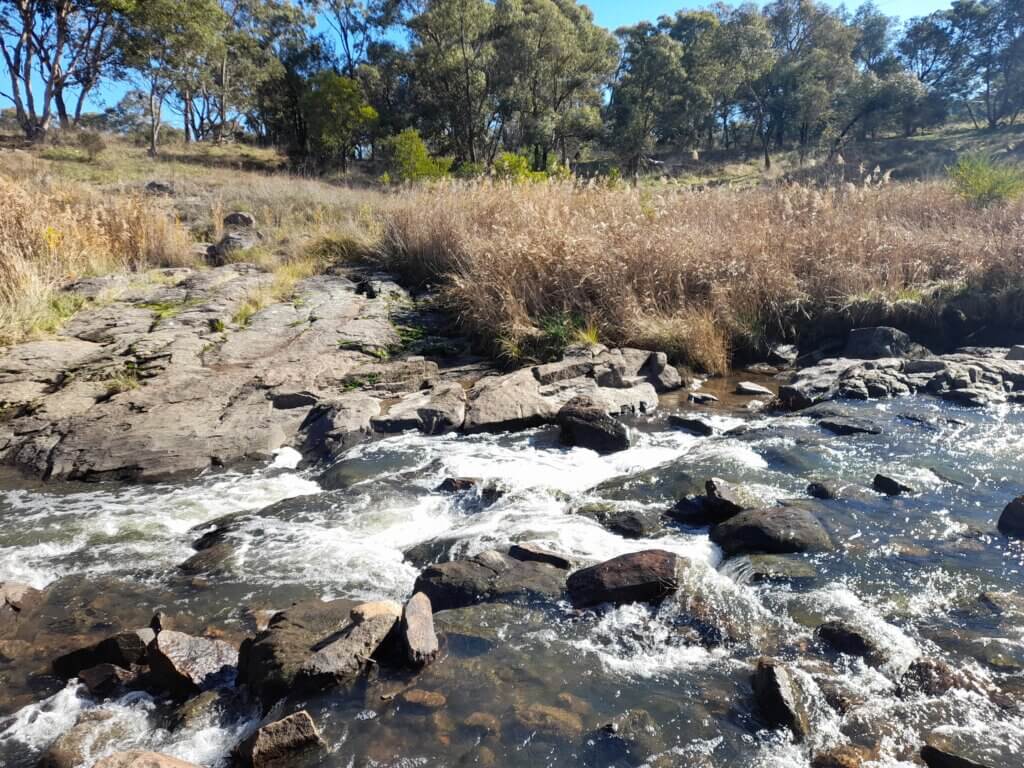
{"x": 617, "y": 13}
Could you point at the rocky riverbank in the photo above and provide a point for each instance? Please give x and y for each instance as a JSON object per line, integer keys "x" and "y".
{"x": 596, "y": 561}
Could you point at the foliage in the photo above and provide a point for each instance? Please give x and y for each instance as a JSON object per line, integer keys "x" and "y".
{"x": 92, "y": 143}
{"x": 408, "y": 159}
{"x": 982, "y": 181}
{"x": 337, "y": 116}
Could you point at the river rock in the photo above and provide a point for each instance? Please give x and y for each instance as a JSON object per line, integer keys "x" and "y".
{"x": 548, "y": 721}
{"x": 270, "y": 663}
{"x": 632, "y": 738}
{"x": 851, "y": 640}
{"x": 123, "y": 650}
{"x": 720, "y": 502}
{"x": 881, "y": 342}
{"x": 628, "y": 523}
{"x": 93, "y": 730}
{"x": 935, "y": 756}
{"x": 820, "y": 490}
{"x": 279, "y": 743}
{"x": 186, "y": 665}
{"x": 751, "y": 389}
{"x": 137, "y": 759}
{"x": 934, "y": 677}
{"x": 780, "y": 699}
{"x": 105, "y": 679}
{"x": 423, "y": 701}
{"x": 776, "y": 530}
{"x": 585, "y": 425}
{"x": 531, "y": 553}
{"x": 636, "y": 577}
{"x": 889, "y": 486}
{"x": 419, "y": 640}
{"x": 507, "y": 403}
{"x": 1011, "y": 522}
{"x": 849, "y": 426}
{"x": 16, "y": 598}
{"x": 341, "y": 658}
{"x": 490, "y": 576}
{"x": 846, "y": 756}
{"x": 434, "y": 412}
{"x": 776, "y": 568}
{"x": 693, "y": 424}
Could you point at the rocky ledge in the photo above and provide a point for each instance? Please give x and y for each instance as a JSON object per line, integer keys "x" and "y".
{"x": 179, "y": 370}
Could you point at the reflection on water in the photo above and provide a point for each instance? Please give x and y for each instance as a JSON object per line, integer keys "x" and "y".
{"x": 908, "y": 569}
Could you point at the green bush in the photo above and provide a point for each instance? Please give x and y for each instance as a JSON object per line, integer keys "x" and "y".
{"x": 407, "y": 159}
{"x": 92, "y": 143}
{"x": 470, "y": 170}
{"x": 508, "y": 166}
{"x": 982, "y": 181}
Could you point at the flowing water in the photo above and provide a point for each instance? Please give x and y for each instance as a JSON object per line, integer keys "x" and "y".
{"x": 910, "y": 569}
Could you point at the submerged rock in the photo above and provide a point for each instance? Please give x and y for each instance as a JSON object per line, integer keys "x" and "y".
{"x": 777, "y": 530}
{"x": 847, "y": 756}
{"x": 780, "y": 699}
{"x": 849, "y": 426}
{"x": 186, "y": 665}
{"x": 488, "y": 577}
{"x": 549, "y": 721}
{"x": 93, "y": 731}
{"x": 279, "y": 742}
{"x": 1011, "y": 522}
{"x": 636, "y": 577}
{"x": 586, "y": 425}
{"x": 633, "y": 736}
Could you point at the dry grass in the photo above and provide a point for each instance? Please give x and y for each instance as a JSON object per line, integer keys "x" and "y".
{"x": 52, "y": 231}
{"x": 702, "y": 275}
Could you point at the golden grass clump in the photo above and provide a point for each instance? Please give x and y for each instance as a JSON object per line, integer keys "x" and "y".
{"x": 699, "y": 274}
{"x": 52, "y": 232}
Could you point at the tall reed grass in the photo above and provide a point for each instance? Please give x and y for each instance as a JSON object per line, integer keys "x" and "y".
{"x": 701, "y": 274}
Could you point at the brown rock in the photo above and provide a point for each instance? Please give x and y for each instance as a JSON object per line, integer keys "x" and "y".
{"x": 847, "y": 756}
{"x": 419, "y": 639}
{"x": 280, "y": 742}
{"x": 484, "y": 722}
{"x": 343, "y": 657}
{"x": 418, "y": 699}
{"x": 636, "y": 577}
{"x": 529, "y": 553}
{"x": 1011, "y": 522}
{"x": 186, "y": 665}
{"x": 103, "y": 679}
{"x": 779, "y": 698}
{"x": 367, "y": 611}
{"x": 550, "y": 721}
{"x": 142, "y": 760}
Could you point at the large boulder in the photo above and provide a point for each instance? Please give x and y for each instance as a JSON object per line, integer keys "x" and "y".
{"x": 586, "y": 425}
{"x": 636, "y": 577}
{"x": 280, "y": 742}
{"x": 1011, "y": 522}
{"x": 419, "y": 640}
{"x": 490, "y": 576}
{"x": 137, "y": 759}
{"x": 941, "y": 756}
{"x": 270, "y": 663}
{"x": 507, "y": 403}
{"x": 780, "y": 699}
{"x": 777, "y": 530}
{"x": 123, "y": 650}
{"x": 340, "y": 659}
{"x": 881, "y": 342}
{"x": 186, "y": 665}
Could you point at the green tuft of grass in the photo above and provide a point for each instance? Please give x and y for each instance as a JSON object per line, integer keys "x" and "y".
{"x": 982, "y": 181}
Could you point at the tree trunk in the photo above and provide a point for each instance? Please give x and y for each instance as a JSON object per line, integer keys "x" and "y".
{"x": 155, "y": 110}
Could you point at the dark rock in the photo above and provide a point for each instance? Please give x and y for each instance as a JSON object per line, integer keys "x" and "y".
{"x": 280, "y": 742}
{"x": 1016, "y": 353}
{"x": 1011, "y": 522}
{"x": 123, "y": 650}
{"x": 636, "y": 577}
{"x": 528, "y": 553}
{"x": 780, "y": 568}
{"x": 780, "y": 699}
{"x": 585, "y": 425}
{"x": 240, "y": 219}
{"x": 104, "y": 679}
{"x": 941, "y": 757}
{"x": 1008, "y": 603}
{"x": 628, "y": 523}
{"x": 417, "y": 631}
{"x": 694, "y": 424}
{"x": 342, "y": 658}
{"x": 820, "y": 491}
{"x": 270, "y": 662}
{"x": 458, "y": 485}
{"x": 973, "y": 397}
{"x": 783, "y": 356}
{"x": 846, "y": 427}
{"x": 160, "y": 188}
{"x": 889, "y": 486}
{"x": 851, "y": 640}
{"x": 881, "y": 342}
{"x": 185, "y": 665}
{"x": 720, "y": 502}
{"x": 934, "y": 677}
{"x": 777, "y": 530}
{"x": 632, "y": 738}
{"x": 488, "y": 577}
{"x": 751, "y": 389}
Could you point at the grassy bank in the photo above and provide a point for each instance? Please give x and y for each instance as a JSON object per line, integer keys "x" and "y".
{"x": 703, "y": 275}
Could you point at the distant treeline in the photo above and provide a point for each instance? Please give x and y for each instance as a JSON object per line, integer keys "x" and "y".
{"x": 329, "y": 80}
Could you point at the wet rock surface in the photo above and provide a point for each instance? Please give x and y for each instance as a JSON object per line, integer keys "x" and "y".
{"x": 637, "y": 577}
{"x": 490, "y": 576}
{"x": 778, "y": 530}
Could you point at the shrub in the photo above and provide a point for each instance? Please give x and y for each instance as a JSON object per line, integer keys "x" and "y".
{"x": 508, "y": 166}
{"x": 408, "y": 159}
{"x": 92, "y": 143}
{"x": 982, "y": 181}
